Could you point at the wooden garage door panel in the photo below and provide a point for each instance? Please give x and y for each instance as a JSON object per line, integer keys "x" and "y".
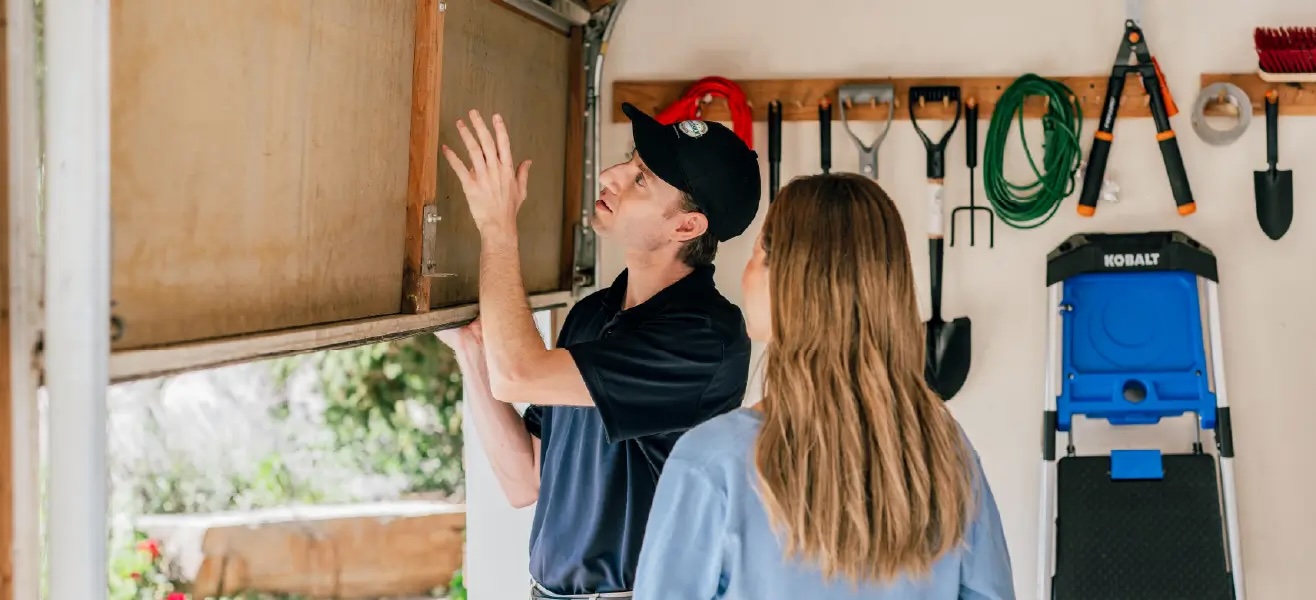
{"x": 259, "y": 164}
{"x": 498, "y": 60}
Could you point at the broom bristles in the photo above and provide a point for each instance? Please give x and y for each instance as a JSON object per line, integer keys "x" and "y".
{"x": 1286, "y": 49}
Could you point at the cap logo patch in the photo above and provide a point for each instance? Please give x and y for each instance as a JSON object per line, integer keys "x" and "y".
{"x": 693, "y": 128}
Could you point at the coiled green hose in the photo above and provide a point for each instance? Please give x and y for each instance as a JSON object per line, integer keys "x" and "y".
{"x": 1026, "y": 206}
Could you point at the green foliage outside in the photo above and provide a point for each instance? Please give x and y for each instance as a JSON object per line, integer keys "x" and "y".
{"x": 398, "y": 404}
{"x": 390, "y": 409}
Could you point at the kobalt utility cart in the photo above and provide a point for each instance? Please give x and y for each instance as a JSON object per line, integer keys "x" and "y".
{"x": 1133, "y": 337}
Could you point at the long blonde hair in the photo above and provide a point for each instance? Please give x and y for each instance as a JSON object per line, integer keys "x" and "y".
{"x": 861, "y": 468}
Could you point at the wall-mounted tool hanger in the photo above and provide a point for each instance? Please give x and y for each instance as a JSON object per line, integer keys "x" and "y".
{"x": 800, "y": 97}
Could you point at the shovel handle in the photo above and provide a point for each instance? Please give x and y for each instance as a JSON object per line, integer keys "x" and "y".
{"x": 935, "y": 251}
{"x": 1272, "y": 128}
{"x": 936, "y": 208}
{"x": 936, "y": 229}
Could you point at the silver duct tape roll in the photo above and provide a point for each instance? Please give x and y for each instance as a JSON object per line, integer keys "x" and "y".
{"x": 1234, "y": 95}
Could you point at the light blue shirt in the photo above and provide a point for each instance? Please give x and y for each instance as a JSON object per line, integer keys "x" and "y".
{"x": 708, "y": 536}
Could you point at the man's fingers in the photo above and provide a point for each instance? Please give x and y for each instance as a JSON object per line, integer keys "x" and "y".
{"x": 486, "y": 140}
{"x": 504, "y": 143}
{"x": 523, "y": 178}
{"x": 459, "y": 167}
{"x": 478, "y": 161}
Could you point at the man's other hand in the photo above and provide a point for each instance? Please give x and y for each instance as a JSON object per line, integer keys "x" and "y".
{"x": 467, "y": 338}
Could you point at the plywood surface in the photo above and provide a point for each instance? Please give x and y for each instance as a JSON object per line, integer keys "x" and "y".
{"x": 260, "y": 161}
{"x": 497, "y": 60}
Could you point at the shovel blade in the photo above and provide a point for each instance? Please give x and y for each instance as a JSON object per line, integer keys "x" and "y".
{"x": 1274, "y": 191}
{"x": 948, "y": 353}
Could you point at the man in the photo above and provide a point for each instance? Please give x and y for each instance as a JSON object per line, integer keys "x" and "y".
{"x": 636, "y": 364}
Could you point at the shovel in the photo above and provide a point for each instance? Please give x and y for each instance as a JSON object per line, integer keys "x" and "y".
{"x": 948, "y": 344}
{"x": 1274, "y": 188}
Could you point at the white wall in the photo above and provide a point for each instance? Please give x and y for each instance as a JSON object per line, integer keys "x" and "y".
{"x": 1264, "y": 285}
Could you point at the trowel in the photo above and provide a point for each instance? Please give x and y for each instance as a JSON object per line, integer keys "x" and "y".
{"x": 1274, "y": 188}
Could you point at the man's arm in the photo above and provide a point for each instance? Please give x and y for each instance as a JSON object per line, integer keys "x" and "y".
{"x": 521, "y": 369}
{"x": 512, "y": 451}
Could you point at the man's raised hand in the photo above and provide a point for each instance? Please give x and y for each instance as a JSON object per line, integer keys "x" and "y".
{"x": 494, "y": 189}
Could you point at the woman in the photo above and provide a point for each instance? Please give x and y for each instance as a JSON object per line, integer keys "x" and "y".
{"x": 850, "y": 479}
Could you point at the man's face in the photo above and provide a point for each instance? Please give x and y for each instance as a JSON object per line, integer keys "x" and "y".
{"x": 640, "y": 211}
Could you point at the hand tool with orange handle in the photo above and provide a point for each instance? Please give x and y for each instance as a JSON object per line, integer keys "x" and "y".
{"x": 1162, "y": 107}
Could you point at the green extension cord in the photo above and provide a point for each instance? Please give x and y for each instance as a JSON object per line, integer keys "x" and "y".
{"x": 1030, "y": 205}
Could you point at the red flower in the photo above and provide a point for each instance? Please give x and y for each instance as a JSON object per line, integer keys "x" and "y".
{"x": 151, "y": 547}
{"x": 176, "y": 596}
{"x": 136, "y": 575}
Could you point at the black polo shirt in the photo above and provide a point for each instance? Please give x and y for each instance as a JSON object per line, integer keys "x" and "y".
{"x": 654, "y": 371}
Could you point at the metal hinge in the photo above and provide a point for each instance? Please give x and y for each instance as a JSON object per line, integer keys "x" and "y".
{"x": 429, "y": 239}
{"x": 582, "y": 275}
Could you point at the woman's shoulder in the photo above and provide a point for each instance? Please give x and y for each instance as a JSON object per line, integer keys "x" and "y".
{"x": 721, "y": 441}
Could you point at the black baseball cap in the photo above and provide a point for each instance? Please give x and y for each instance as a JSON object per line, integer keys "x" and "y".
{"x": 706, "y": 160}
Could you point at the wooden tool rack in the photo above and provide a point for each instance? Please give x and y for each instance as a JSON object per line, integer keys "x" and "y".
{"x": 800, "y": 97}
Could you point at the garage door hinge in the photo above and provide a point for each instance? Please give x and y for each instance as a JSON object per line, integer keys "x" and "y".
{"x": 582, "y": 274}
{"x": 429, "y": 240}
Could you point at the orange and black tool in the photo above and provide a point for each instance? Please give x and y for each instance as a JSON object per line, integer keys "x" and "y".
{"x": 1162, "y": 107}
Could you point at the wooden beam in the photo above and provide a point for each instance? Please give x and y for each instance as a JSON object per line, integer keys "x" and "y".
{"x": 303, "y": 550}
{"x": 800, "y": 97}
{"x": 575, "y": 156}
{"x": 1295, "y": 98}
{"x": 423, "y": 155}
{"x": 143, "y": 363}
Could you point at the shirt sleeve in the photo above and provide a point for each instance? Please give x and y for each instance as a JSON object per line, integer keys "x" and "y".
{"x": 533, "y": 417}
{"x": 653, "y": 379}
{"x": 681, "y": 555}
{"x": 985, "y": 572}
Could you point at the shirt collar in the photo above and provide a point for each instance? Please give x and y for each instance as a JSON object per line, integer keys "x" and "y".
{"x": 692, "y": 285}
